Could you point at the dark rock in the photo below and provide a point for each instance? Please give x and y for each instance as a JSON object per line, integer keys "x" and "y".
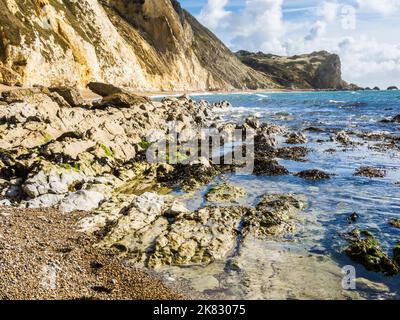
{"x": 365, "y": 249}
{"x": 353, "y": 217}
{"x": 189, "y": 176}
{"x": 370, "y": 172}
{"x": 376, "y": 89}
{"x": 71, "y": 95}
{"x": 393, "y": 88}
{"x": 264, "y": 166}
{"x": 396, "y": 254}
{"x": 395, "y": 223}
{"x": 292, "y": 153}
{"x": 104, "y": 89}
{"x": 313, "y": 175}
{"x": 396, "y": 119}
{"x": 296, "y": 138}
{"x": 121, "y": 100}
{"x": 253, "y": 122}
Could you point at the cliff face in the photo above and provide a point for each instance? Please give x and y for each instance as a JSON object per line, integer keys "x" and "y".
{"x": 318, "y": 70}
{"x": 142, "y": 44}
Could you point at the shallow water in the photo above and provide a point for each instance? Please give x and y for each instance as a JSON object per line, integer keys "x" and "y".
{"x": 308, "y": 263}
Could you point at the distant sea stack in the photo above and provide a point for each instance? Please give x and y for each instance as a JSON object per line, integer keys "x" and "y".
{"x": 318, "y": 70}
{"x": 141, "y": 44}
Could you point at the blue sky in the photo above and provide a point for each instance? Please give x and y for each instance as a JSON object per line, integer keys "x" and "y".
{"x": 363, "y": 32}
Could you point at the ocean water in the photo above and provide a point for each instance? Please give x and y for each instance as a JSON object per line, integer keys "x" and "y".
{"x": 308, "y": 263}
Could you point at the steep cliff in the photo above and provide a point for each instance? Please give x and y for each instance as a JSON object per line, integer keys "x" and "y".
{"x": 318, "y": 70}
{"x": 142, "y": 44}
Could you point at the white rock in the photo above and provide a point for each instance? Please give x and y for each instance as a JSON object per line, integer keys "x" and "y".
{"x": 45, "y": 201}
{"x": 81, "y": 200}
{"x": 5, "y": 203}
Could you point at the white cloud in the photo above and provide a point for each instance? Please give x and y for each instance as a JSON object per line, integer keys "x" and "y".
{"x": 328, "y": 11}
{"x": 214, "y": 13}
{"x": 385, "y": 7}
{"x": 369, "y": 55}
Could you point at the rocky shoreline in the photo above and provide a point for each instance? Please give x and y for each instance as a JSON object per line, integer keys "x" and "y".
{"x": 58, "y": 150}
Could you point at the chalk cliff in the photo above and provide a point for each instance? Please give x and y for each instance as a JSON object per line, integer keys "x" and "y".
{"x": 141, "y": 44}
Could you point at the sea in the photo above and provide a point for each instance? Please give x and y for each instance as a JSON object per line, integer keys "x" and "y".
{"x": 311, "y": 263}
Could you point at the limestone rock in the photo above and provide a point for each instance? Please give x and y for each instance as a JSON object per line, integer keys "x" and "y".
{"x": 70, "y": 94}
{"x": 104, "y": 89}
{"x": 273, "y": 215}
{"x": 81, "y": 201}
{"x": 225, "y": 193}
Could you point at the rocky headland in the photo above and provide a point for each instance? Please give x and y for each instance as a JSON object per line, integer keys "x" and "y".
{"x": 318, "y": 70}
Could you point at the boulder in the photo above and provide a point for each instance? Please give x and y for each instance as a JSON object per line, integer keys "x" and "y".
{"x": 104, "y": 89}
{"x": 292, "y": 153}
{"x": 296, "y": 138}
{"x": 265, "y": 166}
{"x": 365, "y": 249}
{"x": 81, "y": 200}
{"x": 370, "y": 172}
{"x": 313, "y": 175}
{"x": 122, "y": 100}
{"x": 70, "y": 95}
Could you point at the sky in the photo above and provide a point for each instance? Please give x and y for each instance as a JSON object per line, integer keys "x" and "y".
{"x": 365, "y": 33}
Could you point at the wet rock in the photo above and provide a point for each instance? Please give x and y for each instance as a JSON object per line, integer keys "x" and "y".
{"x": 122, "y": 100}
{"x": 81, "y": 200}
{"x": 273, "y": 216}
{"x": 396, "y": 119}
{"x": 370, "y": 172}
{"x": 343, "y": 138}
{"x": 71, "y": 95}
{"x": 189, "y": 176}
{"x": 292, "y": 153}
{"x": 296, "y": 138}
{"x": 253, "y": 122}
{"x": 265, "y": 166}
{"x": 353, "y": 217}
{"x": 396, "y": 254}
{"x": 222, "y": 105}
{"x": 314, "y": 129}
{"x": 365, "y": 249}
{"x": 104, "y": 89}
{"x": 313, "y": 175}
{"x": 200, "y": 237}
{"x": 264, "y": 144}
{"x": 395, "y": 223}
{"x": 225, "y": 193}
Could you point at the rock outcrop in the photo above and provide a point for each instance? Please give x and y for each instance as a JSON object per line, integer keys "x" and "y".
{"x": 318, "y": 70}
{"x": 140, "y": 44}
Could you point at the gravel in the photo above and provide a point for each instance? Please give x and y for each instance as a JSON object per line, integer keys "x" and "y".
{"x": 44, "y": 257}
